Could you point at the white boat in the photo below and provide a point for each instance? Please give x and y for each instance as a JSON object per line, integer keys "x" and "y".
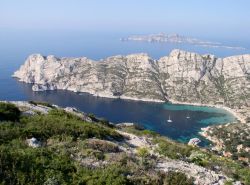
{"x": 169, "y": 120}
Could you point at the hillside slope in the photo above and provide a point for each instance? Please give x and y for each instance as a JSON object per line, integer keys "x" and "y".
{"x": 45, "y": 144}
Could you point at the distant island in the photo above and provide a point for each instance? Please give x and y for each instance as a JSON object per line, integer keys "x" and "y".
{"x": 176, "y": 38}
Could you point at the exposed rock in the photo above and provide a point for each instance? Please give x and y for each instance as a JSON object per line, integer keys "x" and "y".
{"x": 182, "y": 76}
{"x": 194, "y": 141}
{"x": 31, "y": 109}
{"x": 130, "y": 145}
{"x": 34, "y": 143}
{"x": 237, "y": 183}
{"x": 102, "y": 145}
{"x": 125, "y": 124}
{"x": 40, "y": 87}
{"x": 202, "y": 175}
{"x": 28, "y": 113}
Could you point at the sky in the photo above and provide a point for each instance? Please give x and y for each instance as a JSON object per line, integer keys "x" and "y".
{"x": 202, "y": 18}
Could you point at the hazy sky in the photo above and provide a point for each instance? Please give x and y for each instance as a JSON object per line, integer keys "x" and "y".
{"x": 209, "y": 18}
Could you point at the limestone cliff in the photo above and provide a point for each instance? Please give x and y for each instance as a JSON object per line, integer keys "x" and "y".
{"x": 181, "y": 76}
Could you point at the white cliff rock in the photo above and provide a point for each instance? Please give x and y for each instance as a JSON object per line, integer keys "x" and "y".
{"x": 194, "y": 141}
{"x": 182, "y": 76}
{"x": 34, "y": 143}
{"x": 41, "y": 87}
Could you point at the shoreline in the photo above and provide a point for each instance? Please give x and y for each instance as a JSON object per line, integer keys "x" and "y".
{"x": 202, "y": 132}
{"x": 237, "y": 115}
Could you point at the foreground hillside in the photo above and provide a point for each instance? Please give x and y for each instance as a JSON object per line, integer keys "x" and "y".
{"x": 44, "y": 144}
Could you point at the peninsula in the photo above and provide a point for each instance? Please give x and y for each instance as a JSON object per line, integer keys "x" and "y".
{"x": 181, "y": 77}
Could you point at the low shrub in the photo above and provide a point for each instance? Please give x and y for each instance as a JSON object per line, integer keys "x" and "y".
{"x": 177, "y": 178}
{"x": 103, "y": 146}
{"x": 142, "y": 152}
{"x": 199, "y": 158}
{"x": 9, "y": 112}
{"x": 172, "y": 149}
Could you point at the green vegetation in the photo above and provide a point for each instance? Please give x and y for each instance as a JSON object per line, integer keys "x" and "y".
{"x": 100, "y": 120}
{"x": 173, "y": 150}
{"x": 177, "y": 178}
{"x": 143, "y": 152}
{"x": 166, "y": 147}
{"x": 138, "y": 130}
{"x": 78, "y": 152}
{"x": 236, "y": 139}
{"x": 61, "y": 124}
{"x": 103, "y": 146}
{"x": 70, "y": 147}
{"x": 41, "y": 103}
{"x": 199, "y": 158}
{"x": 9, "y": 112}
{"x": 234, "y": 169}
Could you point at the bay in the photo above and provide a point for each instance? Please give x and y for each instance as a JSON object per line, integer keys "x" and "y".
{"x": 19, "y": 44}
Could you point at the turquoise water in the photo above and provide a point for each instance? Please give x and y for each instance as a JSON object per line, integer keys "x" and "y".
{"x": 212, "y": 116}
{"x": 18, "y": 45}
{"x": 152, "y": 116}
{"x": 224, "y": 115}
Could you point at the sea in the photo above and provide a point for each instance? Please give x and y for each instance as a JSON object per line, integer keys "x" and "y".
{"x": 16, "y": 46}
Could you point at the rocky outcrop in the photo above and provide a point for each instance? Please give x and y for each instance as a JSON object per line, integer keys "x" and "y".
{"x": 34, "y": 143}
{"x": 182, "y": 76}
{"x": 194, "y": 141}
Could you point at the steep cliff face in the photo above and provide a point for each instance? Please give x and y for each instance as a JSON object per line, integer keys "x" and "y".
{"x": 181, "y": 76}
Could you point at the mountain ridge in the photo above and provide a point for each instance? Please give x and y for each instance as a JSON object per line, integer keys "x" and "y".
{"x": 182, "y": 76}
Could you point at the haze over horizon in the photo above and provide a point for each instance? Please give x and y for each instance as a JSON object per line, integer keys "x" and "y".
{"x": 210, "y": 19}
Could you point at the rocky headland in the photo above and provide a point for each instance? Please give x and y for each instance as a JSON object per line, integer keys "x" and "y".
{"x": 181, "y": 77}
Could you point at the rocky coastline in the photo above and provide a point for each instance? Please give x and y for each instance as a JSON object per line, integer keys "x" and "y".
{"x": 182, "y": 78}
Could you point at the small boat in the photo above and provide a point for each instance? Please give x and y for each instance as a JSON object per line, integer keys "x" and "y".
{"x": 169, "y": 120}
{"x": 188, "y": 117}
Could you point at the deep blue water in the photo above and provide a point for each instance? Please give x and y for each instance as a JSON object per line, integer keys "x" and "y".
{"x": 16, "y": 46}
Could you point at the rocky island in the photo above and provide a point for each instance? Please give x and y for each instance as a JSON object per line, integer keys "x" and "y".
{"x": 178, "y": 39}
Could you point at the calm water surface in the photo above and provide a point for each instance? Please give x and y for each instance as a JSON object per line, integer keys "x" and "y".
{"x": 18, "y": 45}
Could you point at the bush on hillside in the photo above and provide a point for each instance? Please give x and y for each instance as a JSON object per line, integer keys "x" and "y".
{"x": 9, "y": 112}
{"x": 177, "y": 178}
